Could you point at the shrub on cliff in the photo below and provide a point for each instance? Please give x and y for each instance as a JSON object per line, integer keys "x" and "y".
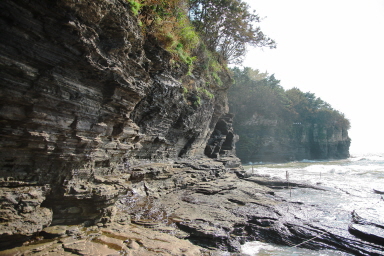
{"x": 217, "y": 31}
{"x": 135, "y": 6}
{"x": 168, "y": 22}
{"x": 204, "y": 35}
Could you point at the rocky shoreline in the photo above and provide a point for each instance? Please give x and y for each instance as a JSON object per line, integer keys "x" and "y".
{"x": 194, "y": 207}
{"x": 109, "y": 146}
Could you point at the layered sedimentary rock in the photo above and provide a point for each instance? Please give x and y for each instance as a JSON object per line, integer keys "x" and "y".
{"x": 210, "y": 202}
{"x": 102, "y": 151}
{"x": 82, "y": 94}
{"x": 268, "y": 140}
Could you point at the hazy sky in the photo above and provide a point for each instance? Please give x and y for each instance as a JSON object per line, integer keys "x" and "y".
{"x": 335, "y": 49}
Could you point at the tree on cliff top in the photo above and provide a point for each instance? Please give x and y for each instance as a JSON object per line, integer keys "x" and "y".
{"x": 269, "y": 119}
{"x": 256, "y": 92}
{"x": 227, "y": 27}
{"x": 259, "y": 93}
{"x": 311, "y": 109}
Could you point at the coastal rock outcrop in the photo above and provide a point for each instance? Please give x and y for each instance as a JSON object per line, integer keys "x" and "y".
{"x": 269, "y": 140}
{"x": 279, "y": 125}
{"x": 205, "y": 202}
{"x": 102, "y": 150}
{"x": 82, "y": 94}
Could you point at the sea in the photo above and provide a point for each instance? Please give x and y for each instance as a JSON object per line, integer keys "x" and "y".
{"x": 350, "y": 184}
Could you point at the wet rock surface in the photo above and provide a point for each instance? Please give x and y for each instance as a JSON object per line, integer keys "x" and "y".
{"x": 101, "y": 153}
{"x": 369, "y": 231}
{"x": 197, "y": 207}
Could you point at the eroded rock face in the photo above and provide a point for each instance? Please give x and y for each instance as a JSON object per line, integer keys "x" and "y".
{"x": 21, "y": 213}
{"x": 116, "y": 240}
{"x": 271, "y": 141}
{"x": 103, "y": 152}
{"x": 82, "y": 94}
{"x": 205, "y": 202}
{"x": 329, "y": 143}
{"x": 223, "y": 139}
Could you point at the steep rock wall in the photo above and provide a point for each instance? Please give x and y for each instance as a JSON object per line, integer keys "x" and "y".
{"x": 83, "y": 96}
{"x": 267, "y": 140}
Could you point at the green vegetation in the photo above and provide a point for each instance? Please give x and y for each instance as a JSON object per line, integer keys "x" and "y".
{"x": 256, "y": 92}
{"x": 204, "y": 35}
{"x": 264, "y": 110}
{"x": 206, "y": 93}
{"x": 227, "y": 27}
{"x": 198, "y": 101}
{"x": 135, "y": 6}
{"x": 169, "y": 23}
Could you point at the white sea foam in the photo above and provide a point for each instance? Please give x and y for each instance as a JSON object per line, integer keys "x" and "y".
{"x": 349, "y": 186}
{"x": 258, "y": 248}
{"x": 254, "y": 248}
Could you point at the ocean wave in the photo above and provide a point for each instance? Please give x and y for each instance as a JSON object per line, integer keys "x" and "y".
{"x": 367, "y": 157}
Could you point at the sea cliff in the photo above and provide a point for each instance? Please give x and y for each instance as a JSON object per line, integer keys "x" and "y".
{"x": 280, "y": 125}
{"x": 266, "y": 140}
{"x": 86, "y": 102}
{"x": 107, "y": 147}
